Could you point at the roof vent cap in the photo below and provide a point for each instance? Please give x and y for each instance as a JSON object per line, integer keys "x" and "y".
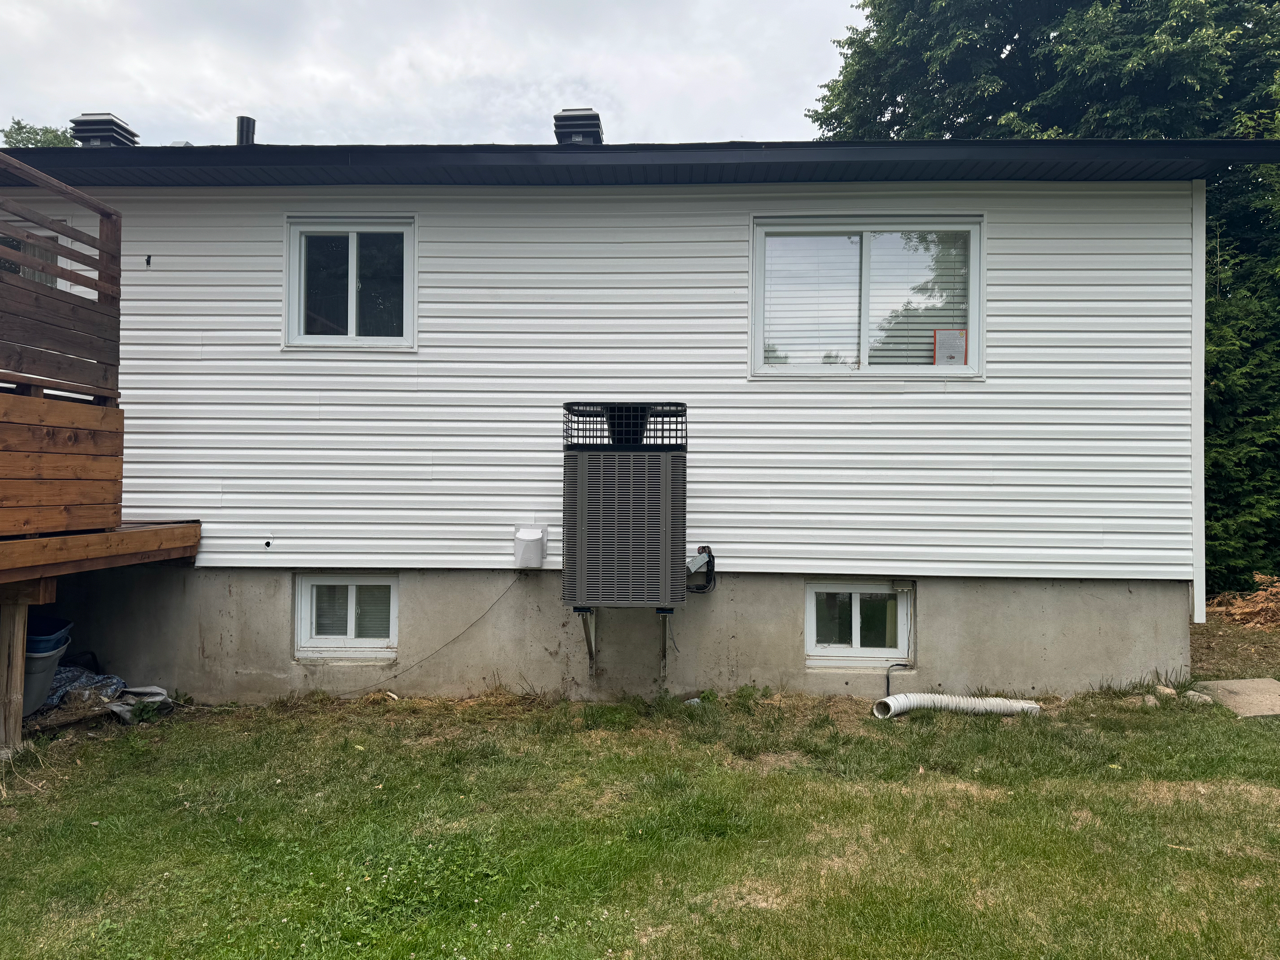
{"x": 102, "y": 130}
{"x": 578, "y": 125}
{"x": 245, "y": 129}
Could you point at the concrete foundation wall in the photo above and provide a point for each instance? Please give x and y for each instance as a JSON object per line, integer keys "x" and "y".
{"x": 228, "y": 634}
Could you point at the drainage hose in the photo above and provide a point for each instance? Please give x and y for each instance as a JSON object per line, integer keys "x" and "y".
{"x": 900, "y": 703}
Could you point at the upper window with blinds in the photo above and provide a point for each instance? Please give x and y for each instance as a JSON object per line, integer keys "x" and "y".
{"x": 852, "y": 299}
{"x": 351, "y": 284}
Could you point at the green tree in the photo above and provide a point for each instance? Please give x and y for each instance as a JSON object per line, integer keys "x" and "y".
{"x": 19, "y": 134}
{"x": 1124, "y": 69}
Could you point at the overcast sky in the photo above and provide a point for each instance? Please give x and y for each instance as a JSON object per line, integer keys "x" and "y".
{"x": 432, "y": 71}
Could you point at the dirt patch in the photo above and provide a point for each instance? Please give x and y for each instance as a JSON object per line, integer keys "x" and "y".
{"x": 954, "y": 790}
{"x": 649, "y": 934}
{"x": 847, "y": 864}
{"x": 1163, "y": 793}
{"x": 767, "y": 763}
{"x": 752, "y": 894}
{"x": 610, "y": 798}
{"x": 1224, "y": 650}
{"x": 1083, "y": 818}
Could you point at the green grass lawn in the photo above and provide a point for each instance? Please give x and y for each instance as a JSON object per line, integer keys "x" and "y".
{"x": 752, "y": 826}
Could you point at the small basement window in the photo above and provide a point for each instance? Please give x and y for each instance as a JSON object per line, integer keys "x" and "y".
{"x": 351, "y": 284}
{"x": 857, "y": 623}
{"x": 854, "y": 298}
{"x": 347, "y": 617}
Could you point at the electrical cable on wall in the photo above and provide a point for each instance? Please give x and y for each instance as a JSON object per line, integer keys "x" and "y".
{"x": 418, "y": 663}
{"x": 709, "y": 570}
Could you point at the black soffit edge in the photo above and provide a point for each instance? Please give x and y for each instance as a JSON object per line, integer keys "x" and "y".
{"x": 646, "y": 164}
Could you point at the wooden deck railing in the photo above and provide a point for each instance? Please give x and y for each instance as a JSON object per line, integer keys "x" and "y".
{"x": 61, "y": 431}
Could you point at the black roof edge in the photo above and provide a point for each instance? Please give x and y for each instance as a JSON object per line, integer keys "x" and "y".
{"x": 646, "y": 163}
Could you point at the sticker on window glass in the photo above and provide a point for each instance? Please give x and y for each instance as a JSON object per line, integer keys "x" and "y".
{"x": 950, "y": 347}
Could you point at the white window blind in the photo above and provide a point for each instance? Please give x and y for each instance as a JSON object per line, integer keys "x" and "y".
{"x": 373, "y": 610}
{"x": 812, "y": 299}
{"x": 919, "y": 283}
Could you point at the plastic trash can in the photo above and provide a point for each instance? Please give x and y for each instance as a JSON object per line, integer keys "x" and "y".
{"x": 45, "y": 634}
{"x": 40, "y": 668}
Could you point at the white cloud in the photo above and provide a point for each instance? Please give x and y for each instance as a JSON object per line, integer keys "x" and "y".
{"x": 396, "y": 71}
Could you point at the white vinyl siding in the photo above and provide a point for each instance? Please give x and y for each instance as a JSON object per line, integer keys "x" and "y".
{"x": 1070, "y": 457}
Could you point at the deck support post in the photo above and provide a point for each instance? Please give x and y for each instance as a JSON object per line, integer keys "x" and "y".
{"x": 13, "y": 660}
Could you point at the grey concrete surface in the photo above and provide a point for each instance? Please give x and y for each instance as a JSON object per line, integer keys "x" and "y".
{"x": 226, "y": 634}
{"x": 1245, "y": 698}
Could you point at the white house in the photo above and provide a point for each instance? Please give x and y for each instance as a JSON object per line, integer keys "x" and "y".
{"x": 957, "y": 383}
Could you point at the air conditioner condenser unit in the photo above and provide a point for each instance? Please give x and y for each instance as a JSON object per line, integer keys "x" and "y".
{"x": 624, "y": 504}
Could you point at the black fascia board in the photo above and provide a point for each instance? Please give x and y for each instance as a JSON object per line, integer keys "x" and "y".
{"x": 635, "y": 164}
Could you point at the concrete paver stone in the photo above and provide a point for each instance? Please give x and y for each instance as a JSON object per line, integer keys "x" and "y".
{"x": 1246, "y": 698}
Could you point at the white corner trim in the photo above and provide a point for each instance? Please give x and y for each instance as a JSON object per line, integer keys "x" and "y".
{"x": 1197, "y": 399}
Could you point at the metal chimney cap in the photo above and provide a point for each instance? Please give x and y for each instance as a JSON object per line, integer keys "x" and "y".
{"x": 102, "y": 130}
{"x": 245, "y": 129}
{"x": 578, "y": 125}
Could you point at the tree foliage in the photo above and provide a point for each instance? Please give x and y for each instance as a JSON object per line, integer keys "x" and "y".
{"x": 20, "y": 134}
{"x": 1122, "y": 69}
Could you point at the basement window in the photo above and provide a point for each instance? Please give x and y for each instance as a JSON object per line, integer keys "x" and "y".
{"x": 351, "y": 284}
{"x": 347, "y": 617}
{"x": 857, "y": 623}
{"x": 847, "y": 299}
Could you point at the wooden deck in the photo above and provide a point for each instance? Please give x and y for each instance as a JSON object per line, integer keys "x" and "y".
{"x": 61, "y": 429}
{"x": 52, "y": 556}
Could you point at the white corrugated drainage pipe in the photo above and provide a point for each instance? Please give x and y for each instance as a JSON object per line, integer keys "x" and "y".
{"x": 900, "y": 703}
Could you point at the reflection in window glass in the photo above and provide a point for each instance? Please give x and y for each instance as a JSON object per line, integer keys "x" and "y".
{"x": 326, "y": 270}
{"x": 380, "y": 294}
{"x": 373, "y": 611}
{"x": 812, "y": 299}
{"x": 878, "y": 620}
{"x": 329, "y": 603}
{"x": 833, "y": 613}
{"x": 919, "y": 284}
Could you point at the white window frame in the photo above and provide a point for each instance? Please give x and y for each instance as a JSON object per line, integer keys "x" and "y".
{"x": 296, "y": 228}
{"x": 975, "y": 345}
{"x": 827, "y": 655}
{"x": 307, "y": 646}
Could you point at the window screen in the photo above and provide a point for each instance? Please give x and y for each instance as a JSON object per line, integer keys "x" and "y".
{"x": 330, "y": 605}
{"x": 919, "y": 284}
{"x": 373, "y": 611}
{"x": 878, "y": 620}
{"x": 380, "y": 292}
{"x": 326, "y": 265}
{"x": 812, "y": 299}
{"x": 834, "y": 616}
